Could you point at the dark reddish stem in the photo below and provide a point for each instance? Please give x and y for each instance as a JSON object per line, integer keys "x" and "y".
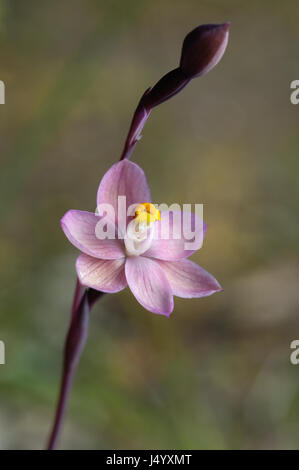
{"x": 139, "y": 119}
{"x": 74, "y": 344}
{"x": 168, "y": 86}
{"x": 79, "y": 292}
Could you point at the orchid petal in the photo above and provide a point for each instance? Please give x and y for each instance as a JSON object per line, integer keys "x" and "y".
{"x": 170, "y": 240}
{"x": 105, "y": 275}
{"x": 149, "y": 284}
{"x": 80, "y": 228}
{"x": 188, "y": 280}
{"x": 123, "y": 179}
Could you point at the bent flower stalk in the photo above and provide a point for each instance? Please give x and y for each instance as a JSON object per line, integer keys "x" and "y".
{"x": 145, "y": 249}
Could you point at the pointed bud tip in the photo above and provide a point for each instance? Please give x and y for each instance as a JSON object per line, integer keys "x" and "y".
{"x": 224, "y": 26}
{"x": 203, "y": 48}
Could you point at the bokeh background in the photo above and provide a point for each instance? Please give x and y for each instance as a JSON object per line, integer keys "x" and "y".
{"x": 217, "y": 375}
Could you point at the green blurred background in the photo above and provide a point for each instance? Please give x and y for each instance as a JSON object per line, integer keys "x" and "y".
{"x": 218, "y": 373}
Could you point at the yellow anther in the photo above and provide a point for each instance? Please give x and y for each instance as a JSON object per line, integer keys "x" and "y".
{"x": 146, "y": 213}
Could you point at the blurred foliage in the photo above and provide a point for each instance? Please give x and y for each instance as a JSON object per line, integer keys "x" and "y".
{"x": 217, "y": 374}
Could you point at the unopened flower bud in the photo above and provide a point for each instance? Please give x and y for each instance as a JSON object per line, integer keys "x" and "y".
{"x": 203, "y": 48}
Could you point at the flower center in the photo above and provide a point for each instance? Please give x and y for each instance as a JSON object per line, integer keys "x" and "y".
{"x": 140, "y": 230}
{"x": 146, "y": 214}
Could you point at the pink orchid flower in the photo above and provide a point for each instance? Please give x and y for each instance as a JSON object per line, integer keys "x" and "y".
{"x": 154, "y": 268}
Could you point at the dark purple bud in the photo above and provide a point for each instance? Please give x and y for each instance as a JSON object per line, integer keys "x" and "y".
{"x": 203, "y": 48}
